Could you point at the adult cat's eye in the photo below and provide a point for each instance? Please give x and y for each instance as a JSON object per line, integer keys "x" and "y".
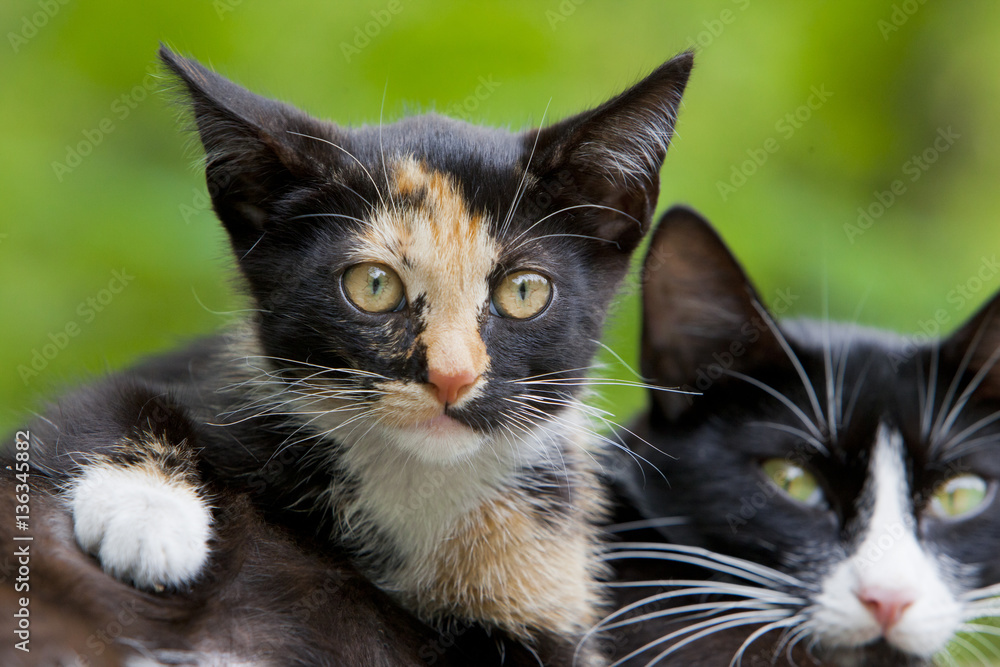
{"x": 373, "y": 287}
{"x": 521, "y": 295}
{"x": 959, "y": 497}
{"x": 795, "y": 481}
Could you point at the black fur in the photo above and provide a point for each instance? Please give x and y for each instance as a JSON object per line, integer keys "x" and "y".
{"x": 703, "y": 332}
{"x": 293, "y": 192}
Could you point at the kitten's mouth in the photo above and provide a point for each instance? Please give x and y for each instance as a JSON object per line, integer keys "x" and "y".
{"x": 440, "y": 439}
{"x": 443, "y": 424}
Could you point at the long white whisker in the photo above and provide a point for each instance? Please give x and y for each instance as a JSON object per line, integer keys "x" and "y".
{"x": 350, "y": 155}
{"x": 779, "y": 620}
{"x": 963, "y": 399}
{"x": 796, "y": 410}
{"x": 757, "y": 634}
{"x": 962, "y": 436}
{"x": 701, "y": 630}
{"x": 570, "y": 208}
{"x": 831, "y": 410}
{"x": 521, "y": 187}
{"x": 927, "y": 408}
{"x": 816, "y": 444}
{"x": 953, "y": 386}
{"x": 794, "y": 358}
{"x": 621, "y": 361}
{"x": 738, "y": 567}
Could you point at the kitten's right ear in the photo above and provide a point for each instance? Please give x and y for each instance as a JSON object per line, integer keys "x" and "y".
{"x": 256, "y": 149}
{"x": 611, "y": 156}
{"x": 701, "y": 315}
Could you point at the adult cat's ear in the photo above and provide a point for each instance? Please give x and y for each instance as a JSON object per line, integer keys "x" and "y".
{"x": 611, "y": 156}
{"x": 702, "y": 318}
{"x": 976, "y": 345}
{"x": 256, "y": 149}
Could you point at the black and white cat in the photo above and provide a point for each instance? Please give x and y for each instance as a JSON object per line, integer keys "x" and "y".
{"x": 830, "y": 497}
{"x": 428, "y": 296}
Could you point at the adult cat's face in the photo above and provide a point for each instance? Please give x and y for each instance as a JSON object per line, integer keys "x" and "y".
{"x": 859, "y": 469}
{"x": 418, "y": 279}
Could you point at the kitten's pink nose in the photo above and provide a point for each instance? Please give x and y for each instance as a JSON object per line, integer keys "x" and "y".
{"x": 451, "y": 386}
{"x": 886, "y": 605}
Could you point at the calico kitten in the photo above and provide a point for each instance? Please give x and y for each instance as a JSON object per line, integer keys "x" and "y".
{"x": 829, "y": 498}
{"x": 426, "y": 294}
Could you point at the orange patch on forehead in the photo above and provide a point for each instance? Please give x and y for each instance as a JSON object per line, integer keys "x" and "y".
{"x": 449, "y": 255}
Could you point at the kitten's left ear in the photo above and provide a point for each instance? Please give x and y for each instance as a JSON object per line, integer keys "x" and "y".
{"x": 979, "y": 338}
{"x": 257, "y": 149}
{"x": 611, "y": 156}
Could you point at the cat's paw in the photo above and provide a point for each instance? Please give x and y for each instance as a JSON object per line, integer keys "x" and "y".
{"x": 145, "y": 528}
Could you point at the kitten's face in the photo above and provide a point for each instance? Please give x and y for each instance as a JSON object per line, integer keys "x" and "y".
{"x": 859, "y": 469}
{"x": 415, "y": 279}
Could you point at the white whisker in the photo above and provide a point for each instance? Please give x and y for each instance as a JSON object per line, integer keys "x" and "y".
{"x": 794, "y": 358}
{"x": 350, "y": 155}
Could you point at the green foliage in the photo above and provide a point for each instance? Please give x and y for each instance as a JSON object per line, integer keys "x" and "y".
{"x": 76, "y": 80}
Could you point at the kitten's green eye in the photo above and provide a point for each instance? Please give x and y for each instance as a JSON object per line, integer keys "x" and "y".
{"x": 795, "y": 481}
{"x": 959, "y": 496}
{"x": 374, "y": 288}
{"x": 522, "y": 294}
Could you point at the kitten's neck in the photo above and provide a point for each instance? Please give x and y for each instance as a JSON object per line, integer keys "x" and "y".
{"x": 504, "y": 536}
{"x": 518, "y": 511}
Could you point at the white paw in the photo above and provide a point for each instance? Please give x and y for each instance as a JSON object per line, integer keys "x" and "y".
{"x": 143, "y": 527}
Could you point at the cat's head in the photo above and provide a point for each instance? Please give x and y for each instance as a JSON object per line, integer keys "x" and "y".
{"x": 417, "y": 277}
{"x": 852, "y": 473}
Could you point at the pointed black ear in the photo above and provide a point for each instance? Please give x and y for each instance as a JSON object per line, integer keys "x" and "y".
{"x": 255, "y": 148}
{"x": 701, "y": 315}
{"x": 979, "y": 338}
{"x": 611, "y": 156}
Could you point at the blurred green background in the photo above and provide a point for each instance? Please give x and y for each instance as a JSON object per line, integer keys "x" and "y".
{"x": 97, "y": 177}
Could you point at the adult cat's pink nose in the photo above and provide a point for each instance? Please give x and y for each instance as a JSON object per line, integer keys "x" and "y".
{"x": 886, "y": 605}
{"x": 451, "y": 386}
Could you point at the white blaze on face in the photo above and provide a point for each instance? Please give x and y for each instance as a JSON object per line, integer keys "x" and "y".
{"x": 444, "y": 255}
{"x": 891, "y": 587}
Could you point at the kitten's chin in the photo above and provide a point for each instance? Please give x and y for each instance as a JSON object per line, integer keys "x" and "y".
{"x": 440, "y": 440}
{"x": 879, "y": 652}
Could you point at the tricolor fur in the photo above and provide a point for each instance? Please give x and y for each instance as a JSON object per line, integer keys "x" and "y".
{"x": 444, "y": 447}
